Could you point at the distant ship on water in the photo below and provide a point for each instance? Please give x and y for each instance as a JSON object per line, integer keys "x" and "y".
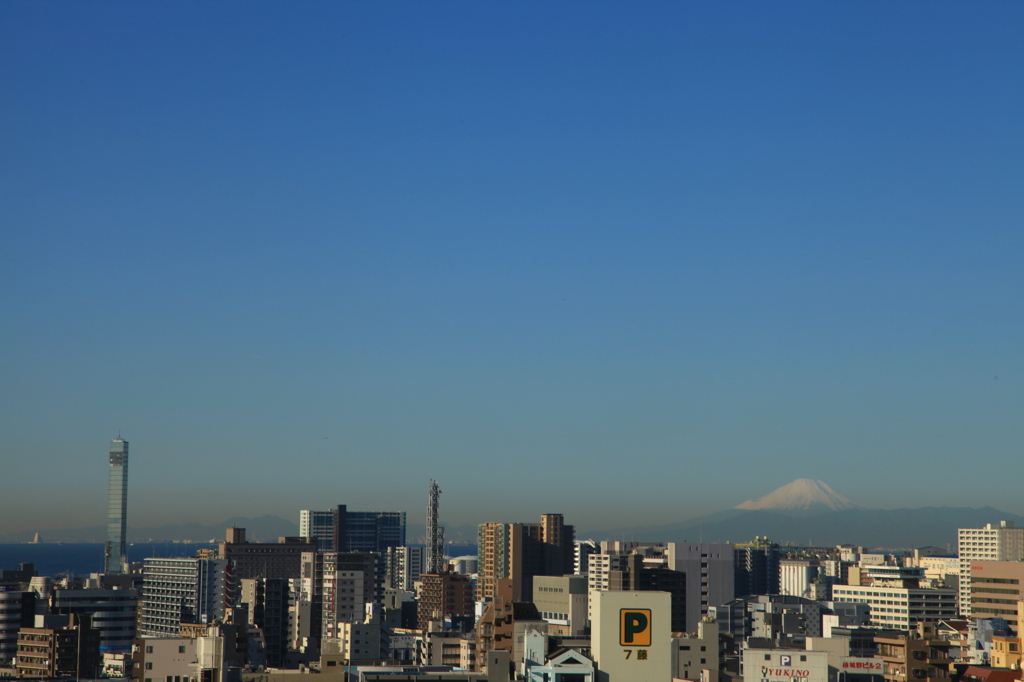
{"x": 36, "y": 540}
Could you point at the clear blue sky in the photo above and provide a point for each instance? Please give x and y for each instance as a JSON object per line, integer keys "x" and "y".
{"x": 628, "y": 263}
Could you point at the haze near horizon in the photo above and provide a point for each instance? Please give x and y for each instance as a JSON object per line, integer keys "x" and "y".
{"x": 630, "y": 264}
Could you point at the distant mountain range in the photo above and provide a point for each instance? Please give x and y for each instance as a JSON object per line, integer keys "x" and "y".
{"x": 804, "y": 512}
{"x": 809, "y": 512}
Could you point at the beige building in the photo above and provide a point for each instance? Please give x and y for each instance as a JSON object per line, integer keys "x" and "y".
{"x": 632, "y": 638}
{"x": 996, "y": 588}
{"x": 562, "y": 601}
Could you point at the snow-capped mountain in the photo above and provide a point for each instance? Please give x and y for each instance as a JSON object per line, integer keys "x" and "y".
{"x": 803, "y": 494}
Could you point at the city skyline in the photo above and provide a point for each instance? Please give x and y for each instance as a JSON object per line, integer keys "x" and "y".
{"x": 630, "y": 265}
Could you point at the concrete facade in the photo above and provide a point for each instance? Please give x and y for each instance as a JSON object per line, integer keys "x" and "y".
{"x": 996, "y": 588}
{"x": 784, "y": 665}
{"x": 899, "y": 608}
{"x": 710, "y": 576}
{"x": 562, "y": 601}
{"x": 183, "y": 590}
{"x": 631, "y": 640}
{"x": 994, "y": 542}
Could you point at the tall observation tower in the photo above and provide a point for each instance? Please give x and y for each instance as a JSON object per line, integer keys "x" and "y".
{"x": 116, "y": 551}
{"x": 435, "y": 532}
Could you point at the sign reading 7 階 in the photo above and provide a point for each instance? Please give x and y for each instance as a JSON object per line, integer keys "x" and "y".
{"x": 635, "y": 627}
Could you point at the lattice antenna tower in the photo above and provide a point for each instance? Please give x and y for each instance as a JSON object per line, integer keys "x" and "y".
{"x": 435, "y": 533}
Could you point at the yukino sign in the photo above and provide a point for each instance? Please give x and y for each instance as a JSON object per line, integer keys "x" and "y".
{"x": 783, "y": 672}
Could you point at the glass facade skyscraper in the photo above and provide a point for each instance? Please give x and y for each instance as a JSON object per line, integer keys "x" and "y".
{"x": 116, "y": 551}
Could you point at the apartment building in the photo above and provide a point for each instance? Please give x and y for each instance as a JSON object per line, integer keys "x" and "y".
{"x": 1002, "y": 542}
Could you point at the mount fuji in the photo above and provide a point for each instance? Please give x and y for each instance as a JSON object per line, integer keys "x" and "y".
{"x": 809, "y": 512}
{"x": 804, "y": 495}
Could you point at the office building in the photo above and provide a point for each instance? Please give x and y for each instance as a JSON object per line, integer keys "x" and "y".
{"x": 899, "y": 608}
{"x": 264, "y": 559}
{"x": 112, "y": 613}
{"x": 784, "y": 665}
{"x": 997, "y": 587}
{"x": 772, "y": 616}
{"x": 710, "y": 576}
{"x": 116, "y": 549}
{"x": 634, "y": 576}
{"x": 1002, "y": 542}
{"x": 17, "y": 610}
{"x": 340, "y": 530}
{"x": 184, "y": 590}
{"x": 757, "y": 567}
{"x": 696, "y": 652}
{"x": 797, "y": 575}
{"x": 520, "y": 551}
{"x": 563, "y": 602}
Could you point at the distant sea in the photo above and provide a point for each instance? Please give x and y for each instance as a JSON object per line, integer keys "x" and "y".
{"x": 81, "y": 559}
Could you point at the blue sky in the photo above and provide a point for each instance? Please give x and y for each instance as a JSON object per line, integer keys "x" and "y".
{"x": 632, "y": 264}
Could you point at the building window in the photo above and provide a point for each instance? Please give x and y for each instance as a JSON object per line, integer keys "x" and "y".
{"x": 767, "y": 657}
{"x": 149, "y": 649}
{"x": 181, "y": 649}
{"x": 803, "y": 658}
{"x": 149, "y": 664}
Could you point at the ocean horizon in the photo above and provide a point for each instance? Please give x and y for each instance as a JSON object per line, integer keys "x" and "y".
{"x": 82, "y": 558}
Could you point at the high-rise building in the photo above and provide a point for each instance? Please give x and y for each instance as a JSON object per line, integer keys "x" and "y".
{"x": 582, "y": 549}
{"x": 338, "y": 586}
{"x": 116, "y": 551}
{"x": 519, "y": 551}
{"x": 184, "y": 590}
{"x": 757, "y": 567}
{"x": 710, "y": 576}
{"x": 318, "y": 525}
{"x": 268, "y": 600}
{"x": 435, "y": 532}
{"x": 991, "y": 543}
{"x": 403, "y": 566}
{"x": 340, "y": 530}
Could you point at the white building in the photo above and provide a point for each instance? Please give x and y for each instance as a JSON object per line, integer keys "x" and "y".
{"x": 991, "y": 543}
{"x": 796, "y": 576}
{"x": 898, "y": 608}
